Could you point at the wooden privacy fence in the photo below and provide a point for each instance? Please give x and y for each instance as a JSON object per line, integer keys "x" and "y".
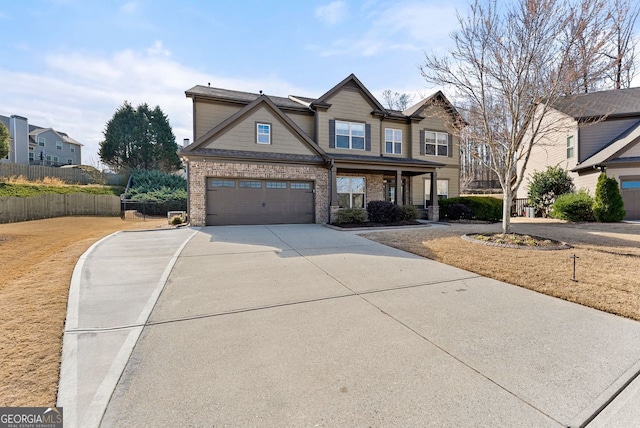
{"x": 54, "y": 205}
{"x": 69, "y": 175}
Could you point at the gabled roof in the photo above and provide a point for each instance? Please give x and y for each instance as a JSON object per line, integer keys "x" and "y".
{"x": 614, "y": 103}
{"x": 237, "y": 117}
{"x": 434, "y": 99}
{"x": 350, "y": 79}
{"x": 614, "y": 148}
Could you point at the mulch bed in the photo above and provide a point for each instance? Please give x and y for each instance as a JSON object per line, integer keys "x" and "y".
{"x": 515, "y": 240}
{"x": 370, "y": 224}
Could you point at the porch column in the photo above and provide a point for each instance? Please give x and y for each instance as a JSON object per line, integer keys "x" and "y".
{"x": 334, "y": 187}
{"x": 398, "y": 187}
{"x": 435, "y": 211}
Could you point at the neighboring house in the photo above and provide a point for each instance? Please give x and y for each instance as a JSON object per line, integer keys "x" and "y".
{"x": 596, "y": 132}
{"x": 259, "y": 159}
{"x": 34, "y": 145}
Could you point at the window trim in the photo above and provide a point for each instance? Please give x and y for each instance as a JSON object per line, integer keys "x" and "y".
{"x": 350, "y": 135}
{"x": 428, "y": 189}
{"x": 258, "y": 133}
{"x": 69, "y": 161}
{"x": 58, "y": 145}
{"x": 72, "y": 148}
{"x": 571, "y": 146}
{"x": 437, "y": 144}
{"x": 392, "y": 141}
{"x": 42, "y": 141}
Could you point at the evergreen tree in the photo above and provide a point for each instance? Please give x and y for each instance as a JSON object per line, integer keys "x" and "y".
{"x": 4, "y": 141}
{"x": 608, "y": 206}
{"x": 139, "y": 138}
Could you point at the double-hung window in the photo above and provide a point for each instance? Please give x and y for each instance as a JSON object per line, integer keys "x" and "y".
{"x": 393, "y": 141}
{"x": 41, "y": 141}
{"x": 442, "y": 187}
{"x": 350, "y": 135}
{"x": 351, "y": 192}
{"x": 59, "y": 145}
{"x": 436, "y": 143}
{"x": 263, "y": 133}
{"x": 570, "y": 146}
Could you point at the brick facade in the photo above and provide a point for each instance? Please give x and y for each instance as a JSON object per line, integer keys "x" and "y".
{"x": 200, "y": 170}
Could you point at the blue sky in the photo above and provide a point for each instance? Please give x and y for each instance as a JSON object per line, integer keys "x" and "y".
{"x": 69, "y": 64}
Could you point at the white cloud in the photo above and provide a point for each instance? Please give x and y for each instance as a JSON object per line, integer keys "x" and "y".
{"x": 129, "y": 8}
{"x": 78, "y": 93}
{"x": 333, "y": 13}
{"x": 410, "y": 25}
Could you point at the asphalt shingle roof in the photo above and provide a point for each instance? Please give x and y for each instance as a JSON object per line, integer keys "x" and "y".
{"x": 244, "y": 97}
{"x": 617, "y": 102}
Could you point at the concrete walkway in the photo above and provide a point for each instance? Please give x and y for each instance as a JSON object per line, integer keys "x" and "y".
{"x": 306, "y": 326}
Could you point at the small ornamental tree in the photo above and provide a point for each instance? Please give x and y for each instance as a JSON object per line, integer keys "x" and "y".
{"x": 608, "y": 206}
{"x": 4, "y": 141}
{"x": 546, "y": 186}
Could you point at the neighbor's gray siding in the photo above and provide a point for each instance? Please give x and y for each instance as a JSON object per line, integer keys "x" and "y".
{"x": 19, "y": 131}
{"x": 51, "y": 149}
{"x": 594, "y": 137}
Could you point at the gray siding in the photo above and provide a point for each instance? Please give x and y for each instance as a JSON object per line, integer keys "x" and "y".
{"x": 594, "y": 137}
{"x": 19, "y": 131}
{"x": 55, "y": 147}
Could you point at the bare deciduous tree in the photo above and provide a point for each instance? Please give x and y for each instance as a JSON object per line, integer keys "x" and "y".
{"x": 395, "y": 100}
{"x": 508, "y": 66}
{"x": 622, "y": 52}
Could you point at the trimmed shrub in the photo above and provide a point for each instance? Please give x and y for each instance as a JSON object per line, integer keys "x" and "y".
{"x": 608, "y": 206}
{"x": 384, "y": 212}
{"x": 546, "y": 186}
{"x": 459, "y": 211}
{"x": 351, "y": 215}
{"x": 482, "y": 207}
{"x": 573, "y": 207}
{"x": 156, "y": 192}
{"x": 409, "y": 212}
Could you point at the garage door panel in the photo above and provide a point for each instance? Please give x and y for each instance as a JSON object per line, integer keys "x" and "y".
{"x": 631, "y": 198}
{"x": 259, "y": 202}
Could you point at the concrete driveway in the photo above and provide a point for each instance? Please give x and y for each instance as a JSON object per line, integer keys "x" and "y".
{"x": 307, "y": 326}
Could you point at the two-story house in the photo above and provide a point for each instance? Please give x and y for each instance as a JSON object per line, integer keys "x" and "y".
{"x": 258, "y": 159}
{"x": 35, "y": 145}
{"x": 591, "y": 133}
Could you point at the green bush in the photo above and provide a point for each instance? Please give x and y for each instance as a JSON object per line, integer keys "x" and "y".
{"x": 546, "y": 186}
{"x": 459, "y": 211}
{"x": 384, "y": 212}
{"x": 608, "y": 206}
{"x": 27, "y": 190}
{"x": 351, "y": 215}
{"x": 409, "y": 212}
{"x": 573, "y": 207}
{"x": 482, "y": 207}
{"x": 156, "y": 192}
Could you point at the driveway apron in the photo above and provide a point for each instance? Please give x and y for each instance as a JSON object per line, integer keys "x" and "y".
{"x": 302, "y": 325}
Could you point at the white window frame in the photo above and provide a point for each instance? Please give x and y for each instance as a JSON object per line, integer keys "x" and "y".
{"x": 351, "y": 192}
{"x": 395, "y": 141}
{"x": 59, "y": 145}
{"x": 260, "y": 133}
{"x": 571, "y": 147}
{"x": 56, "y": 159}
{"x": 72, "y": 148}
{"x": 48, "y": 158}
{"x": 41, "y": 141}
{"x": 350, "y": 134}
{"x": 438, "y": 138}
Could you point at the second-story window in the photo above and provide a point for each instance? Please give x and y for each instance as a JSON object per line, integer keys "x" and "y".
{"x": 263, "y": 133}
{"x": 59, "y": 145}
{"x": 570, "y": 146}
{"x": 393, "y": 141}
{"x": 41, "y": 141}
{"x": 350, "y": 135}
{"x": 436, "y": 143}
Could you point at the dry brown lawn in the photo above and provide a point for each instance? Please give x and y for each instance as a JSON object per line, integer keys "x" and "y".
{"x": 608, "y": 267}
{"x": 38, "y": 258}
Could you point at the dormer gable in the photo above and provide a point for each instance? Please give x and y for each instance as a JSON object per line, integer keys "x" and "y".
{"x": 351, "y": 82}
{"x": 416, "y": 111}
{"x": 240, "y": 132}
